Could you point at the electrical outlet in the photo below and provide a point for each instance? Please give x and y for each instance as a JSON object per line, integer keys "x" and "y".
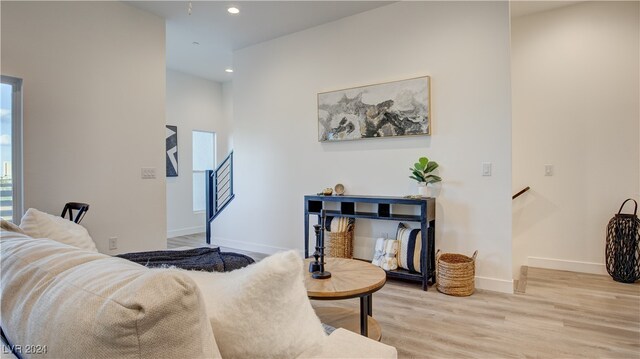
{"x": 486, "y": 168}
{"x": 548, "y": 170}
{"x": 148, "y": 172}
{"x": 113, "y": 243}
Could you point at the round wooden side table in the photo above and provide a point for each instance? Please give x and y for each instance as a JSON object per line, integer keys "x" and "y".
{"x": 349, "y": 279}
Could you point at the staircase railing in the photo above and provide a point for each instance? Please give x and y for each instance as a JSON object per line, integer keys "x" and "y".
{"x": 219, "y": 191}
{"x": 520, "y": 193}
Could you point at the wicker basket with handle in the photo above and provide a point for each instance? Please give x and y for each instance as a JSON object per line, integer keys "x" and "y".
{"x": 455, "y": 273}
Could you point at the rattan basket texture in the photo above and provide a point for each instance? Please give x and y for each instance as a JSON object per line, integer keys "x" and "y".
{"x": 340, "y": 244}
{"x": 455, "y": 273}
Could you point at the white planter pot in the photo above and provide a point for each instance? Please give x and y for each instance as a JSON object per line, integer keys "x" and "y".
{"x": 423, "y": 190}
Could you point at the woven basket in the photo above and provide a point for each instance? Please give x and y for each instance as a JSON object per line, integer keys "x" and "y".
{"x": 340, "y": 244}
{"x": 455, "y": 273}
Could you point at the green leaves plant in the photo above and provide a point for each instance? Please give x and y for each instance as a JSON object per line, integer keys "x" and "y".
{"x": 421, "y": 171}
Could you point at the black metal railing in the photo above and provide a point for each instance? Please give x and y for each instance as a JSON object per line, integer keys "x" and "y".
{"x": 520, "y": 193}
{"x": 219, "y": 191}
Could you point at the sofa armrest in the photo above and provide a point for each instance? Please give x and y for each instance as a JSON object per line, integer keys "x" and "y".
{"x": 343, "y": 343}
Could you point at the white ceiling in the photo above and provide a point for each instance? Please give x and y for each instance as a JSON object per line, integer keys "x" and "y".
{"x": 220, "y": 33}
{"x": 521, "y": 8}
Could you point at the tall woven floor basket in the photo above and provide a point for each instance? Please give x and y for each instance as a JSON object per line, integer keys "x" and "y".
{"x": 455, "y": 273}
{"x": 622, "y": 251}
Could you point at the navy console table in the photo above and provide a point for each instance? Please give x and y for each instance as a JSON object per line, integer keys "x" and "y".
{"x": 348, "y": 208}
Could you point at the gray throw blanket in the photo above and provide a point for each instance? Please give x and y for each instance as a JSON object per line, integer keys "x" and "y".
{"x": 202, "y": 259}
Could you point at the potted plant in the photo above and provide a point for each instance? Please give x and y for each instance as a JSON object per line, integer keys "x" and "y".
{"x": 421, "y": 172}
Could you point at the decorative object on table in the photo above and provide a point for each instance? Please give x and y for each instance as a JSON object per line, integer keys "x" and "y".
{"x": 456, "y": 273}
{"x": 172, "y": 151}
{"x": 317, "y": 267}
{"x": 340, "y": 236}
{"x": 409, "y": 248}
{"x": 339, "y": 189}
{"x": 421, "y": 172}
{"x": 327, "y": 191}
{"x": 398, "y": 108}
{"x": 622, "y": 249}
{"x": 314, "y": 266}
{"x": 385, "y": 254}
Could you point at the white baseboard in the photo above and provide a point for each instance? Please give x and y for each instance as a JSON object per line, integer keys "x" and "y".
{"x": 494, "y": 284}
{"x": 248, "y": 246}
{"x": 567, "y": 265}
{"x": 185, "y": 231}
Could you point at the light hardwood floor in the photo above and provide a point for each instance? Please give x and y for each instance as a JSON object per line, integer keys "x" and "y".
{"x": 558, "y": 315}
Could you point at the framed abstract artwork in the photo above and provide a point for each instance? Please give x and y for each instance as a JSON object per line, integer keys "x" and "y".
{"x": 171, "y": 150}
{"x": 398, "y": 108}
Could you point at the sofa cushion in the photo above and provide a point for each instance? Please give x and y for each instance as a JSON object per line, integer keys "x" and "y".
{"x": 43, "y": 225}
{"x": 345, "y": 344}
{"x": 261, "y": 311}
{"x": 85, "y": 304}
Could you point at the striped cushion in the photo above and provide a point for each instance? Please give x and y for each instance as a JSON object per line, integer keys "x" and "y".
{"x": 409, "y": 248}
{"x": 339, "y": 224}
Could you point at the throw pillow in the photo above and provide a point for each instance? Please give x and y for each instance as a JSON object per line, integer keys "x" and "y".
{"x": 261, "y": 311}
{"x": 8, "y": 226}
{"x": 409, "y": 248}
{"x": 38, "y": 224}
{"x": 339, "y": 224}
{"x": 82, "y": 304}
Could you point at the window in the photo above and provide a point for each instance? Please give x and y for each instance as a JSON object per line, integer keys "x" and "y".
{"x": 10, "y": 148}
{"x": 204, "y": 158}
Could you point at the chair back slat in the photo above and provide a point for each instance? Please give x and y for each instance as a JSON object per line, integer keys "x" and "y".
{"x": 81, "y": 209}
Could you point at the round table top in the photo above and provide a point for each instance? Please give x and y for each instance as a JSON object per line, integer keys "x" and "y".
{"x": 349, "y": 279}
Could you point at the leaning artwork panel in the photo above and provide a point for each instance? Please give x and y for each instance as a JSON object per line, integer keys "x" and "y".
{"x": 399, "y": 108}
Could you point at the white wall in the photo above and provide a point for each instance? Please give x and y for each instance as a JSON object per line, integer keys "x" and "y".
{"x": 464, "y": 47}
{"x": 575, "y": 106}
{"x": 193, "y": 103}
{"x": 94, "y": 89}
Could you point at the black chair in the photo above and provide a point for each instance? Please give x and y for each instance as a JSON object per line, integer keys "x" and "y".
{"x": 82, "y": 209}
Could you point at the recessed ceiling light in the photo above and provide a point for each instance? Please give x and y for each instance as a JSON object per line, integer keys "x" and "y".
{"x": 229, "y": 70}
{"x": 233, "y": 10}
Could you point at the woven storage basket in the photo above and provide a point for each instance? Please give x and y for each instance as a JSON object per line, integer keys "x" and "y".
{"x": 455, "y": 273}
{"x": 340, "y": 244}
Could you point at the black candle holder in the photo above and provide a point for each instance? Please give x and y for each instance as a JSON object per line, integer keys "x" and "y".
{"x": 317, "y": 267}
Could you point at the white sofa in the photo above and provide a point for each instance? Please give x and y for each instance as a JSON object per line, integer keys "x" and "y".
{"x": 80, "y": 303}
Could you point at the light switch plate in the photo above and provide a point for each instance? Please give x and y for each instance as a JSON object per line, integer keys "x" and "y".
{"x": 548, "y": 170}
{"x": 486, "y": 168}
{"x": 148, "y": 173}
